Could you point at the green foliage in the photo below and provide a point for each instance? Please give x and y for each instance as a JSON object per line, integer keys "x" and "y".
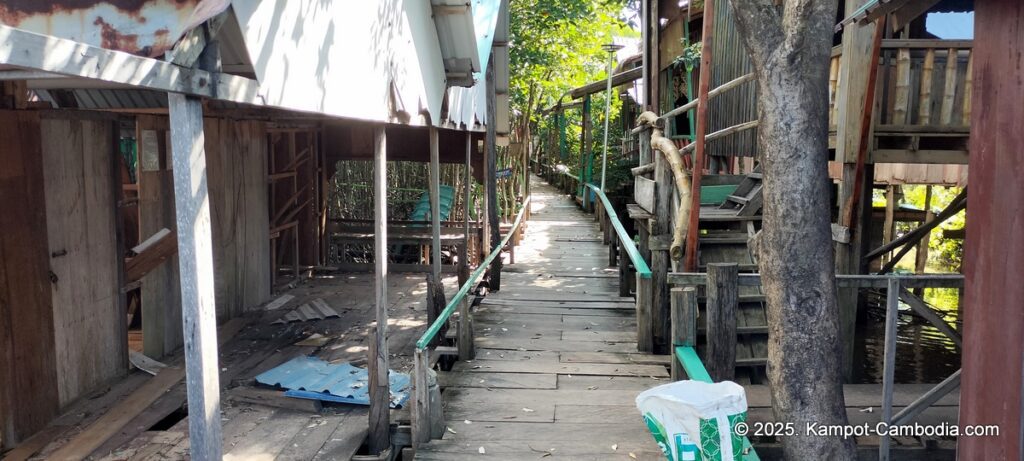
{"x": 556, "y": 46}
{"x": 690, "y": 57}
{"x": 944, "y": 254}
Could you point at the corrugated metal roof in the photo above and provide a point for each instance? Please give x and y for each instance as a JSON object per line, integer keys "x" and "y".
{"x": 147, "y": 28}
{"x": 313, "y": 378}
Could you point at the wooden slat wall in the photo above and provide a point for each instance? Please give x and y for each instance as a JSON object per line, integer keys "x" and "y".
{"x": 161, "y": 295}
{"x": 90, "y": 340}
{"x": 730, "y": 61}
{"x": 237, "y": 173}
{"x": 28, "y": 374}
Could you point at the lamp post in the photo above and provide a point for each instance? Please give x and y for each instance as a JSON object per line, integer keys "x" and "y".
{"x": 611, "y": 48}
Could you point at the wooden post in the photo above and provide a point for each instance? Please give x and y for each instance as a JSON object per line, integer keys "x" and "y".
{"x": 468, "y": 180}
{"x": 922, "y": 248}
{"x": 889, "y": 226}
{"x": 613, "y": 250}
{"x": 624, "y": 267}
{"x": 661, "y": 228}
{"x": 721, "y": 312}
{"x": 379, "y": 438}
{"x": 693, "y": 231}
{"x": 684, "y": 325}
{"x": 436, "y": 287}
{"x": 585, "y": 154}
{"x": 420, "y": 412}
{"x": 492, "y": 191}
{"x": 195, "y": 263}
{"x": 467, "y": 350}
{"x": 644, "y": 319}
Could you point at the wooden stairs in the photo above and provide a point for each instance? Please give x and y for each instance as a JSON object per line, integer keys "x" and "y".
{"x": 725, "y": 233}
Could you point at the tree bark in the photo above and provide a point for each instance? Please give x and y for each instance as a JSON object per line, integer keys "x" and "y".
{"x": 790, "y": 51}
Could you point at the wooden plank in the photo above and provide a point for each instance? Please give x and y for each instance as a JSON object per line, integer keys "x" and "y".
{"x": 269, "y": 438}
{"x": 195, "y": 261}
{"x": 949, "y": 88}
{"x": 614, "y": 357}
{"x": 114, "y": 419}
{"x": 309, "y": 441}
{"x": 901, "y": 104}
{"x": 924, "y": 111}
{"x": 489, "y": 380}
{"x": 541, "y": 433}
{"x": 28, "y": 376}
{"x": 481, "y": 412}
{"x": 602, "y": 369}
{"x": 155, "y": 254}
{"x": 721, "y": 320}
{"x": 89, "y": 321}
{"x": 346, "y": 440}
{"x": 684, "y": 325}
{"x": 643, "y": 193}
{"x": 459, "y": 450}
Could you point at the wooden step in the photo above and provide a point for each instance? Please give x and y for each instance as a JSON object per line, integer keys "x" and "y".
{"x": 757, "y": 176}
{"x": 740, "y": 200}
{"x": 745, "y": 330}
{"x": 723, "y": 240}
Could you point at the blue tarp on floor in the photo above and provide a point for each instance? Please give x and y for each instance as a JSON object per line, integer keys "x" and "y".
{"x": 311, "y": 378}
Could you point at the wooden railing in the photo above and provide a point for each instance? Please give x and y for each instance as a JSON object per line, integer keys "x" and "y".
{"x": 684, "y": 330}
{"x": 421, "y": 424}
{"x": 923, "y": 86}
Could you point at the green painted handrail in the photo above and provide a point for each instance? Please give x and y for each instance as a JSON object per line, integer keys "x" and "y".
{"x": 627, "y": 241}
{"x": 694, "y": 368}
{"x": 428, "y": 335}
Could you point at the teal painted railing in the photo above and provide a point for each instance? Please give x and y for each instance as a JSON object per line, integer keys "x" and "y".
{"x": 627, "y": 241}
{"x": 694, "y": 368}
{"x": 428, "y": 335}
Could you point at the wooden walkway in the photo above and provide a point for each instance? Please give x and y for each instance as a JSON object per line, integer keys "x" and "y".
{"x": 556, "y": 370}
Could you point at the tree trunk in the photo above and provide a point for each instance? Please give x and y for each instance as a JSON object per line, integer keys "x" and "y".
{"x": 790, "y": 50}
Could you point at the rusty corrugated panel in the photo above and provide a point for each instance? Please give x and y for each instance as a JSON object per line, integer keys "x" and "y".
{"x": 142, "y": 27}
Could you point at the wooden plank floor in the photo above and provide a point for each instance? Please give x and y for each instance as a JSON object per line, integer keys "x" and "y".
{"x": 556, "y": 371}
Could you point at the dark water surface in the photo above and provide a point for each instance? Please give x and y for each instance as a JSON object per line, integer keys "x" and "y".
{"x": 923, "y": 354}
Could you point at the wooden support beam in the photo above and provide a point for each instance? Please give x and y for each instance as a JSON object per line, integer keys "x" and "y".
{"x": 150, "y": 255}
{"x": 420, "y": 413}
{"x": 467, "y": 349}
{"x": 195, "y": 268}
{"x": 435, "y": 204}
{"x": 684, "y": 325}
{"x": 29, "y": 50}
{"x": 379, "y": 438}
{"x": 467, "y": 180}
{"x": 644, "y": 319}
{"x": 722, "y": 304}
{"x": 492, "y": 189}
{"x": 693, "y": 230}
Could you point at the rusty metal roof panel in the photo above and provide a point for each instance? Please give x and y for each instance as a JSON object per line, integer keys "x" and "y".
{"x": 141, "y": 27}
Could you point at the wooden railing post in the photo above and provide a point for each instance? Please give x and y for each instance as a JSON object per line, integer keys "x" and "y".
{"x": 421, "y": 398}
{"x": 624, "y": 266}
{"x": 684, "y": 325}
{"x": 722, "y": 303}
{"x": 467, "y": 351}
{"x": 644, "y": 318}
{"x": 613, "y": 249}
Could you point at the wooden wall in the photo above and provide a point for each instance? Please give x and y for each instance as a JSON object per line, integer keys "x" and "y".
{"x": 236, "y": 153}
{"x": 236, "y": 159}
{"x": 161, "y": 295}
{"x": 86, "y": 261}
{"x": 28, "y": 375}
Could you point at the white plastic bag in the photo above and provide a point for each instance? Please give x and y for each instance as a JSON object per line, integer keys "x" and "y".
{"x": 694, "y": 420}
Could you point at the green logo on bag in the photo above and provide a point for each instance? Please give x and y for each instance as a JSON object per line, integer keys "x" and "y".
{"x": 711, "y": 438}
{"x": 660, "y": 436}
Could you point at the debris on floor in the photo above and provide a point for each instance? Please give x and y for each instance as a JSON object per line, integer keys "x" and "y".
{"x": 312, "y": 378}
{"x": 316, "y": 309}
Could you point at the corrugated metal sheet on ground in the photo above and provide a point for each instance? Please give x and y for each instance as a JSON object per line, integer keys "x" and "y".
{"x": 312, "y": 378}
{"x": 316, "y": 309}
